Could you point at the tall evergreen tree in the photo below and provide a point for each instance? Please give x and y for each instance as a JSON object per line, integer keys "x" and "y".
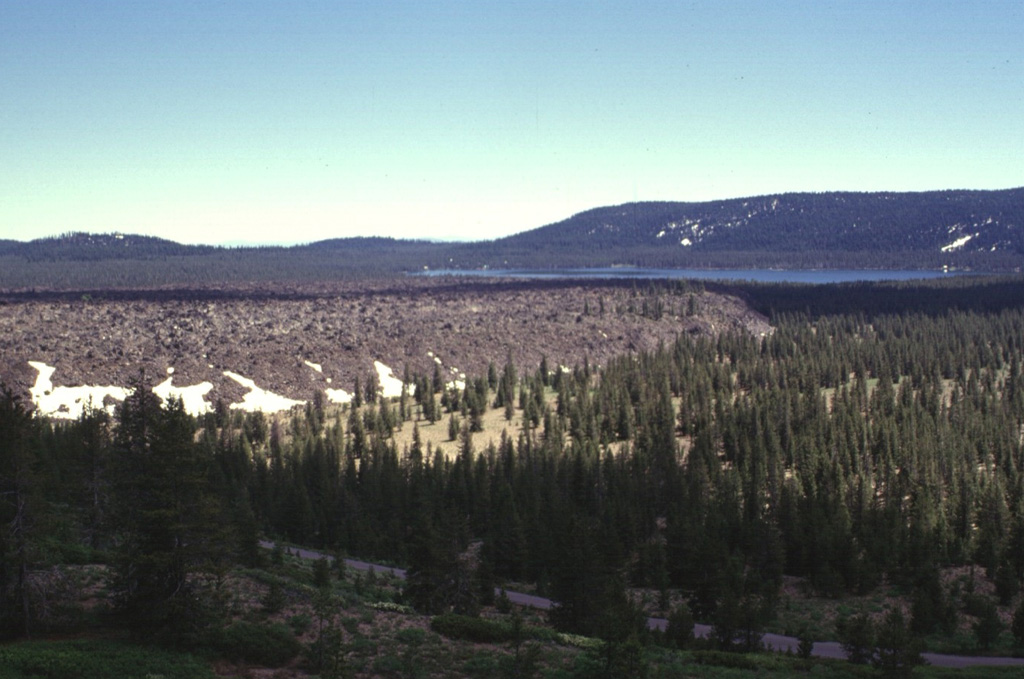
{"x": 168, "y": 525}
{"x": 19, "y": 511}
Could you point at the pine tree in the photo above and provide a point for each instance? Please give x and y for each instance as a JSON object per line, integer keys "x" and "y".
{"x": 680, "y": 627}
{"x": 897, "y": 651}
{"x": 988, "y": 626}
{"x": 453, "y": 427}
{"x": 857, "y": 636}
{"x": 1017, "y": 626}
{"x": 18, "y": 507}
{"x": 169, "y": 526}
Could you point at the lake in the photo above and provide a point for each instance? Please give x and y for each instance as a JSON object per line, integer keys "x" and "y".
{"x": 757, "y": 275}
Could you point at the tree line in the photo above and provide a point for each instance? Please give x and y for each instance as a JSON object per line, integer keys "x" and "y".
{"x": 843, "y": 448}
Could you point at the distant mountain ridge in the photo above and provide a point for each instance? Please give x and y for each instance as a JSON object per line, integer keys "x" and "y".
{"x": 943, "y": 221}
{"x": 81, "y": 246}
{"x": 964, "y": 229}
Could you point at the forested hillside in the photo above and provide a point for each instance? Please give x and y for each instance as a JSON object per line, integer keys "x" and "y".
{"x": 844, "y": 449}
{"x": 797, "y": 230}
{"x": 86, "y": 247}
{"x": 852, "y": 222}
{"x": 978, "y": 230}
{"x": 848, "y": 449}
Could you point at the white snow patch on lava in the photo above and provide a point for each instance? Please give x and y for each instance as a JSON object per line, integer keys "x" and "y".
{"x": 192, "y": 397}
{"x": 260, "y": 399}
{"x": 68, "y": 402}
{"x": 339, "y": 396}
{"x": 390, "y": 386}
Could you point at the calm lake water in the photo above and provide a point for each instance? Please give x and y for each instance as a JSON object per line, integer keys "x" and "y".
{"x": 758, "y": 275}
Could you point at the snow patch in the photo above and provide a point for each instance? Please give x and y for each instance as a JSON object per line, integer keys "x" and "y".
{"x": 68, "y": 403}
{"x": 315, "y": 366}
{"x": 686, "y": 242}
{"x": 260, "y": 399}
{"x": 459, "y": 382}
{"x": 958, "y": 243}
{"x": 192, "y": 398}
{"x": 660, "y": 233}
{"x": 338, "y": 396}
{"x": 390, "y": 386}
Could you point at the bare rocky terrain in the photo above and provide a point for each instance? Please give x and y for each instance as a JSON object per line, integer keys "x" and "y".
{"x": 269, "y": 333}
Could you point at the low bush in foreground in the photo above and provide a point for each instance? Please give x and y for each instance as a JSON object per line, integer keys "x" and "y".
{"x": 484, "y": 631}
{"x": 271, "y": 645}
{"x": 467, "y": 628}
{"x": 96, "y": 660}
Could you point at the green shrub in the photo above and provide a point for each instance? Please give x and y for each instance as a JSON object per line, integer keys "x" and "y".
{"x": 388, "y": 664}
{"x": 542, "y": 634}
{"x": 267, "y": 645}
{"x": 481, "y": 665}
{"x": 502, "y": 603}
{"x": 976, "y": 605}
{"x": 737, "y": 661}
{"x": 96, "y": 660}
{"x": 300, "y": 623}
{"x": 412, "y": 636}
{"x": 362, "y": 646}
{"x": 275, "y": 599}
{"x": 477, "y": 630}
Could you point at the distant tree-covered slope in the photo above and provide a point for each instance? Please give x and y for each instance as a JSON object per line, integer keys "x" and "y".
{"x": 979, "y": 230}
{"x": 944, "y": 221}
{"x": 80, "y": 246}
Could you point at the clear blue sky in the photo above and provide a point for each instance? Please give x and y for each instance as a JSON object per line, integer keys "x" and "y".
{"x": 295, "y": 121}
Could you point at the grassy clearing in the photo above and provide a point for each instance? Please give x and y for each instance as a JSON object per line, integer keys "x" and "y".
{"x": 493, "y": 420}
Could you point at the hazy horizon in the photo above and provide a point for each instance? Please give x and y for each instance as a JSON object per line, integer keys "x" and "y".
{"x": 244, "y": 243}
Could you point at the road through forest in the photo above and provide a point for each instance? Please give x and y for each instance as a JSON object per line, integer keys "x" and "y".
{"x": 777, "y": 642}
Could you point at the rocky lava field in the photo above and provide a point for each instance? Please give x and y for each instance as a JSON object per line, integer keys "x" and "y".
{"x": 296, "y": 340}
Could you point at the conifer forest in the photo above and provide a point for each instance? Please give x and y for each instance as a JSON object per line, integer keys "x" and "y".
{"x": 863, "y": 443}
